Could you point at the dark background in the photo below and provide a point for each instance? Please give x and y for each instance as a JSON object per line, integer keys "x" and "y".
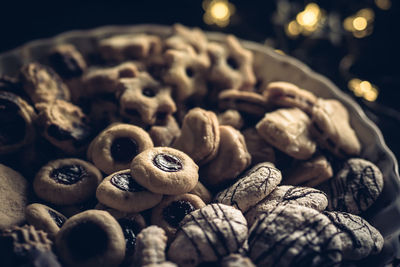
{"x": 374, "y": 58}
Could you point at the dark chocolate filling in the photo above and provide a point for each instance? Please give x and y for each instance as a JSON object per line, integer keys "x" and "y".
{"x": 232, "y": 63}
{"x": 68, "y": 174}
{"x": 123, "y": 149}
{"x": 80, "y": 134}
{"x": 130, "y": 229}
{"x": 125, "y": 182}
{"x": 174, "y": 213}
{"x": 57, "y": 218}
{"x": 167, "y": 163}
{"x": 13, "y": 125}
{"x": 189, "y": 72}
{"x": 87, "y": 240}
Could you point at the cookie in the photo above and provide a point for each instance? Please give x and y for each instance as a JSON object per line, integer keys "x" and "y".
{"x": 252, "y": 187}
{"x": 288, "y": 130}
{"x": 355, "y": 187}
{"x": 202, "y": 192}
{"x": 236, "y": 260}
{"x": 232, "y": 158}
{"x": 231, "y": 65}
{"x": 289, "y": 95}
{"x": 114, "y": 148}
{"x": 259, "y": 149}
{"x": 293, "y": 235}
{"x": 67, "y": 61}
{"x": 208, "y": 235}
{"x": 151, "y": 243}
{"x": 91, "y": 238}
{"x": 244, "y": 101}
{"x": 67, "y": 181}
{"x": 232, "y": 118}
{"x": 103, "y": 112}
{"x": 309, "y": 173}
{"x": 44, "y": 218}
{"x": 121, "y": 192}
{"x": 200, "y": 135}
{"x": 14, "y": 197}
{"x": 359, "y": 238}
{"x": 165, "y": 132}
{"x": 64, "y": 125}
{"x": 42, "y": 83}
{"x": 285, "y": 195}
{"x": 332, "y": 129}
{"x": 165, "y": 170}
{"x": 171, "y": 211}
{"x": 17, "y": 118}
{"x": 144, "y": 100}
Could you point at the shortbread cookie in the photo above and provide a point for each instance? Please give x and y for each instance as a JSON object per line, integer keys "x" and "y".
{"x": 171, "y": 211}
{"x": 165, "y": 132}
{"x": 244, "y": 101}
{"x": 355, "y": 187}
{"x": 285, "y": 195}
{"x": 200, "y": 135}
{"x": 91, "y": 238}
{"x": 359, "y": 238}
{"x": 64, "y": 125}
{"x": 115, "y": 147}
{"x": 67, "y": 61}
{"x": 151, "y": 243}
{"x": 259, "y": 149}
{"x": 288, "y": 130}
{"x": 44, "y": 218}
{"x": 252, "y": 187}
{"x": 208, "y": 235}
{"x": 17, "y": 118}
{"x": 232, "y": 118}
{"x": 202, "y": 192}
{"x": 293, "y": 235}
{"x": 309, "y": 173}
{"x": 165, "y": 170}
{"x": 42, "y": 84}
{"x": 232, "y": 158}
{"x": 236, "y": 260}
{"x": 331, "y": 126}
{"x": 67, "y": 181}
{"x": 144, "y": 100}
{"x": 121, "y": 192}
{"x": 14, "y": 190}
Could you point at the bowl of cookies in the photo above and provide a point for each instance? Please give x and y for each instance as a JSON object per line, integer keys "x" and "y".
{"x": 171, "y": 146}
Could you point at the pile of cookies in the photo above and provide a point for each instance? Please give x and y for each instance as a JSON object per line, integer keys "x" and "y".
{"x": 171, "y": 151}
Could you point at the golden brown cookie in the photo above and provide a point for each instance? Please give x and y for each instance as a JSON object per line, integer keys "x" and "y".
{"x": 244, "y": 101}
{"x": 165, "y": 132}
{"x": 45, "y": 218}
{"x": 150, "y": 247}
{"x": 259, "y": 149}
{"x": 67, "y": 61}
{"x": 202, "y": 192}
{"x": 232, "y": 118}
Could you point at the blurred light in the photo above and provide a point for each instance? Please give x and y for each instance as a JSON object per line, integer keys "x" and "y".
{"x": 279, "y": 51}
{"x": 383, "y": 4}
{"x": 293, "y": 29}
{"x": 361, "y": 23}
{"x": 217, "y": 12}
{"x": 363, "y": 89}
{"x": 309, "y": 17}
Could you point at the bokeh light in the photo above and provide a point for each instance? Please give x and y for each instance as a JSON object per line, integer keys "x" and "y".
{"x": 363, "y": 89}
{"x": 218, "y": 12}
{"x": 361, "y": 23}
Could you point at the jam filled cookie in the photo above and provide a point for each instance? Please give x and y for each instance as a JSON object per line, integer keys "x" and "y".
{"x": 13, "y": 197}
{"x": 151, "y": 243}
{"x": 165, "y": 170}
{"x": 67, "y": 61}
{"x": 208, "y": 235}
{"x": 288, "y": 130}
{"x": 171, "y": 211}
{"x": 243, "y": 101}
{"x": 259, "y": 149}
{"x": 44, "y": 218}
{"x": 232, "y": 118}
{"x": 200, "y": 135}
{"x": 67, "y": 181}
{"x": 115, "y": 147}
{"x": 165, "y": 132}
{"x": 17, "y": 119}
{"x": 91, "y": 238}
{"x": 121, "y": 192}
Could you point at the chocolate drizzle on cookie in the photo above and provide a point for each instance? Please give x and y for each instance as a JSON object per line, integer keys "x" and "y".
{"x": 68, "y": 174}
{"x": 125, "y": 182}
{"x": 167, "y": 162}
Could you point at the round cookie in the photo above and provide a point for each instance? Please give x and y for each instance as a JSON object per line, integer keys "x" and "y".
{"x": 232, "y": 118}
{"x": 244, "y": 101}
{"x": 151, "y": 243}
{"x": 293, "y": 235}
{"x": 91, "y": 238}
{"x": 121, "y": 192}
{"x": 115, "y": 147}
{"x": 67, "y": 181}
{"x": 208, "y": 235}
{"x": 13, "y": 197}
{"x": 252, "y": 187}
{"x": 44, "y": 218}
{"x": 165, "y": 170}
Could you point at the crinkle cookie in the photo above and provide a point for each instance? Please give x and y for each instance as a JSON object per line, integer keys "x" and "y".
{"x": 171, "y": 211}
{"x": 121, "y": 192}
{"x": 232, "y": 118}
{"x": 252, "y": 187}
{"x": 236, "y": 260}
{"x": 114, "y": 148}
{"x": 332, "y": 128}
{"x": 165, "y": 132}
{"x": 67, "y": 61}
{"x": 244, "y": 101}
{"x": 293, "y": 235}
{"x": 44, "y": 218}
{"x": 67, "y": 181}
{"x": 17, "y": 119}
{"x": 208, "y": 234}
{"x": 150, "y": 247}
{"x": 13, "y": 197}
{"x": 200, "y": 135}
{"x": 359, "y": 238}
{"x": 355, "y": 187}
{"x": 165, "y": 170}
{"x": 91, "y": 238}
{"x": 285, "y": 195}
{"x": 259, "y": 149}
{"x": 288, "y": 130}
{"x": 232, "y": 158}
